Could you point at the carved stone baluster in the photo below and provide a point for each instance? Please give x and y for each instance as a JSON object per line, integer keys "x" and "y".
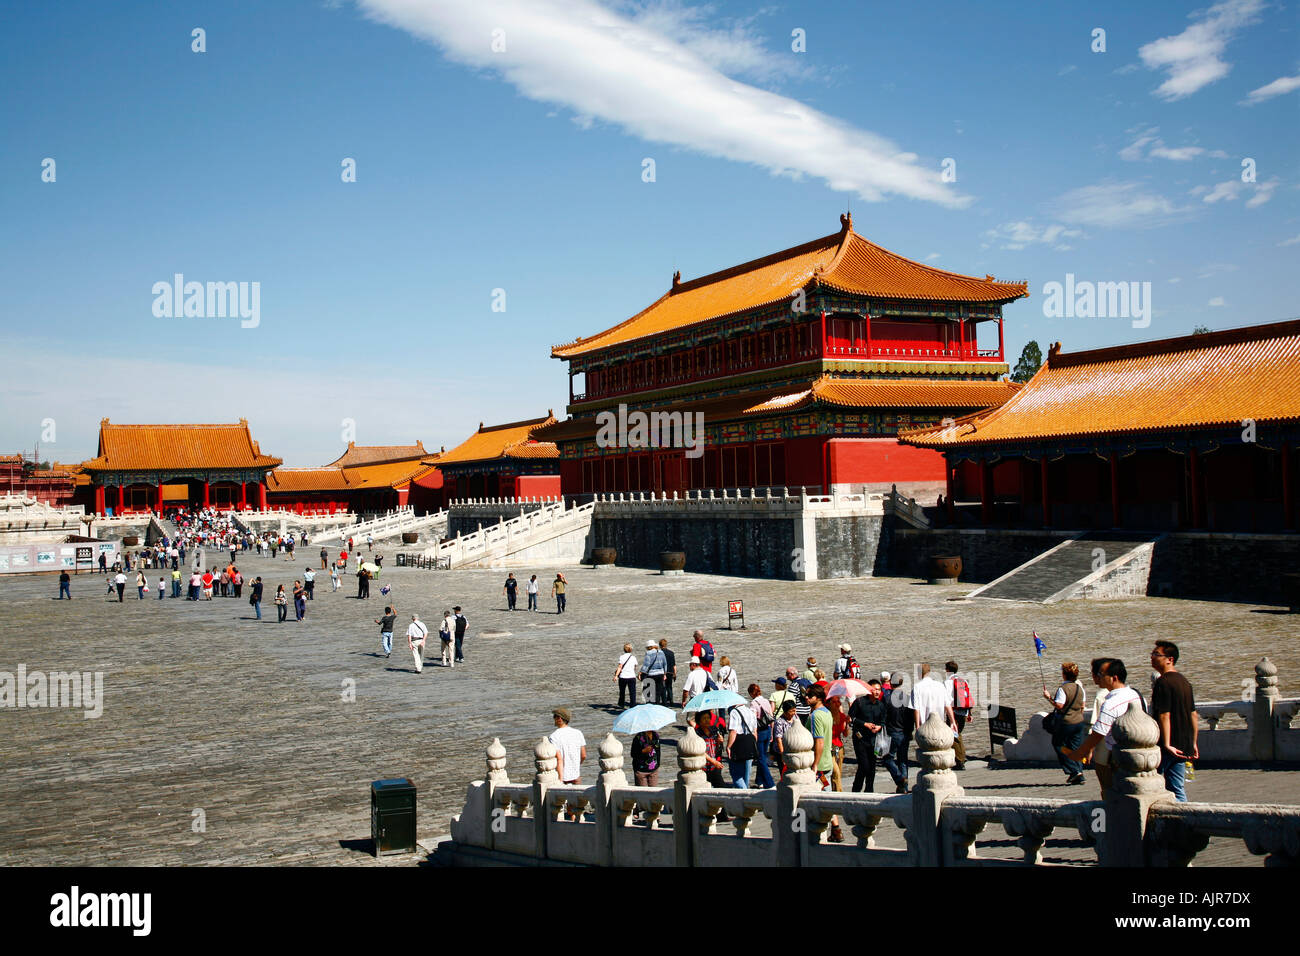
{"x": 1031, "y": 831}
{"x": 1137, "y": 787}
{"x": 496, "y": 762}
{"x": 935, "y": 784}
{"x": 690, "y": 777}
{"x": 1172, "y": 843}
{"x": 1278, "y": 841}
{"x": 742, "y": 819}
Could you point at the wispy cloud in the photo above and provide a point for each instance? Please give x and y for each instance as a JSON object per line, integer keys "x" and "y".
{"x": 1279, "y": 87}
{"x": 1293, "y": 241}
{"x": 1233, "y": 189}
{"x": 1194, "y": 58}
{"x": 1150, "y": 146}
{"x": 657, "y": 74}
{"x": 1112, "y": 205}
{"x": 1216, "y": 301}
{"x": 1022, "y": 233}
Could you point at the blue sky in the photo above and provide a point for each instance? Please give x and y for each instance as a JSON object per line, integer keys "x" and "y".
{"x": 521, "y": 169}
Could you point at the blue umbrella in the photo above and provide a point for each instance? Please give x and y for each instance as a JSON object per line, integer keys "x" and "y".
{"x": 644, "y": 717}
{"x": 714, "y": 700}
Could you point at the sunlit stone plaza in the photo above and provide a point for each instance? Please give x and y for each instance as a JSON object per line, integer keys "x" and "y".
{"x": 227, "y": 740}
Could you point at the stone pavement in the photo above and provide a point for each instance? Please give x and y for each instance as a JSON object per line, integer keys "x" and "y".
{"x": 250, "y": 723}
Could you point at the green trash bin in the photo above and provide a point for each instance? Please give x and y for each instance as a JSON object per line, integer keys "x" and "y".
{"x": 392, "y": 815}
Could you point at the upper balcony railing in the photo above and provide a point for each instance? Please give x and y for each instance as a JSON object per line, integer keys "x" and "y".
{"x": 912, "y": 352}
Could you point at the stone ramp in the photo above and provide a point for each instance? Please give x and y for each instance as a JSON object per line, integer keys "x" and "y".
{"x": 1078, "y": 567}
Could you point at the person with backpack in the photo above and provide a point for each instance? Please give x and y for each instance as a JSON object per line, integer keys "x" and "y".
{"x": 703, "y": 649}
{"x": 1069, "y": 723}
{"x": 764, "y": 718}
{"x": 742, "y": 743}
{"x": 963, "y": 707}
{"x": 846, "y": 666}
{"x": 625, "y": 674}
{"x": 727, "y": 679}
{"x": 654, "y": 667}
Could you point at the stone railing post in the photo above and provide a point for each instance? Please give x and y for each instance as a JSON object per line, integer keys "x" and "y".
{"x": 611, "y": 775}
{"x": 1137, "y": 786}
{"x": 790, "y": 823}
{"x": 1263, "y": 733}
{"x": 690, "y": 777}
{"x": 546, "y": 758}
{"x": 496, "y": 775}
{"x": 928, "y": 843}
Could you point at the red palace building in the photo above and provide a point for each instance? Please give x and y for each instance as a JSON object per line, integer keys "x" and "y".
{"x": 154, "y": 467}
{"x": 502, "y": 461}
{"x": 365, "y": 478}
{"x": 1198, "y": 432}
{"x": 56, "y": 486}
{"x": 804, "y": 364}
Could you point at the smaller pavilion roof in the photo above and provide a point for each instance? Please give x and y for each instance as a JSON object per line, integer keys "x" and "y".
{"x": 512, "y": 440}
{"x": 173, "y": 447}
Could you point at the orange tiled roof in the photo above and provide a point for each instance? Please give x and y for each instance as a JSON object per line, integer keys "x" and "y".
{"x": 502, "y": 441}
{"x": 843, "y": 261}
{"x": 1196, "y": 381}
{"x": 890, "y": 393}
{"x": 373, "y": 454}
{"x": 306, "y": 479}
{"x": 329, "y": 478}
{"x": 149, "y": 447}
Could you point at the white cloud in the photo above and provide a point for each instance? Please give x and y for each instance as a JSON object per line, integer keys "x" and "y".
{"x": 1216, "y": 301}
{"x": 1193, "y": 59}
{"x": 1279, "y": 87}
{"x": 1017, "y": 235}
{"x": 1177, "y": 153}
{"x": 1232, "y": 189}
{"x": 660, "y": 77}
{"x": 1111, "y": 205}
{"x": 1216, "y": 268}
{"x": 1175, "y": 280}
{"x": 1135, "y": 150}
{"x": 1153, "y": 147}
{"x": 931, "y": 257}
{"x": 1065, "y": 70}
{"x": 1294, "y": 240}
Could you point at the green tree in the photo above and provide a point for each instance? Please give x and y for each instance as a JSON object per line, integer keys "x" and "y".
{"x": 1031, "y": 357}
{"x": 1201, "y": 330}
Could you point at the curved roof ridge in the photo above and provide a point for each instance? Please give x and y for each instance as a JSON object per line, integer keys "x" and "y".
{"x": 802, "y": 249}
{"x": 1178, "y": 343}
{"x": 946, "y": 273}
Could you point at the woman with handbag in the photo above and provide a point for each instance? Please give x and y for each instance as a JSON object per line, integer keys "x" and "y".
{"x": 742, "y": 745}
{"x": 1066, "y": 722}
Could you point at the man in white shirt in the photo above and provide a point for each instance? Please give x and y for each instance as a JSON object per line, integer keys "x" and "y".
{"x": 415, "y": 637}
{"x": 1119, "y": 697}
{"x": 695, "y": 682}
{"x": 570, "y": 747}
{"x": 929, "y": 697}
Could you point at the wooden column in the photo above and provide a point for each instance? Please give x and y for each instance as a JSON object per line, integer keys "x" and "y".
{"x": 823, "y": 333}
{"x": 950, "y": 477}
{"x": 121, "y": 499}
{"x": 1114, "y": 490}
{"x": 1288, "y": 496}
{"x": 261, "y": 495}
{"x": 158, "y": 500}
{"x": 1047, "y": 501}
{"x": 205, "y": 493}
{"x": 866, "y": 324}
{"x": 1194, "y": 476}
{"x": 243, "y": 496}
{"x": 986, "y": 493}
{"x": 961, "y": 337}
{"x": 1001, "y": 354}
{"x": 99, "y": 499}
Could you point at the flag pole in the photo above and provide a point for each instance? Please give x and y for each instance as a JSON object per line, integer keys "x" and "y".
{"x": 1038, "y": 650}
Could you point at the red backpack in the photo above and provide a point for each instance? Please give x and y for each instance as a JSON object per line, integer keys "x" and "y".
{"x": 961, "y": 695}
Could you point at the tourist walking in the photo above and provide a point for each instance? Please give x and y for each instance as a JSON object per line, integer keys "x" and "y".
{"x": 898, "y": 723}
{"x": 363, "y": 584}
{"x": 839, "y": 727}
{"x": 645, "y": 758}
{"x": 962, "y": 702}
{"x": 670, "y": 670}
{"x": 162, "y": 588}
{"x": 281, "y": 604}
{"x": 1173, "y": 705}
{"x": 65, "y": 585}
{"x": 324, "y": 558}
{"x": 822, "y": 727}
{"x": 416, "y": 635}
{"x": 742, "y": 745}
{"x": 176, "y": 581}
{"x": 334, "y": 578}
{"x": 1113, "y": 676}
{"x": 1068, "y": 720}
{"x": 655, "y": 666}
{"x": 784, "y": 721}
{"x": 695, "y": 681}
{"x": 446, "y": 634}
{"x": 866, "y": 722}
{"x": 929, "y": 697}
{"x": 532, "y": 593}
{"x": 299, "y": 600}
{"x": 726, "y": 679}
{"x": 461, "y": 624}
{"x": 846, "y": 666}
{"x": 625, "y": 674}
{"x": 764, "y": 718}
{"x": 709, "y": 728}
{"x": 386, "y": 630}
{"x": 140, "y": 584}
{"x": 309, "y": 583}
{"x": 511, "y": 590}
{"x": 557, "y": 592}
{"x": 703, "y": 649}
{"x": 237, "y": 582}
{"x": 196, "y": 584}
{"x": 255, "y": 598}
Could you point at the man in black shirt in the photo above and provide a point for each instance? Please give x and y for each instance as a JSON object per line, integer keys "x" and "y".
{"x": 867, "y": 717}
{"x": 461, "y": 624}
{"x": 1174, "y": 707}
{"x": 65, "y": 585}
{"x": 671, "y": 673}
{"x": 898, "y": 722}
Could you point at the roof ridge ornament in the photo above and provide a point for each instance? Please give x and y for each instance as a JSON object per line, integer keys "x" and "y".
{"x": 677, "y": 278}
{"x": 1053, "y": 350}
{"x": 846, "y": 221}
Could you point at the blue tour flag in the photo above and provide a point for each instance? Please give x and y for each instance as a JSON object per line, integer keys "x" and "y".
{"x": 1039, "y": 646}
